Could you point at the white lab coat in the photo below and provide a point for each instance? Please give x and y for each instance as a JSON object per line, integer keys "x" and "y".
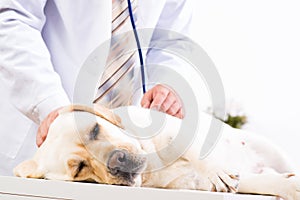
{"x": 43, "y": 44}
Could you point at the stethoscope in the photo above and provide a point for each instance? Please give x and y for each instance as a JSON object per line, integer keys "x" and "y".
{"x": 138, "y": 46}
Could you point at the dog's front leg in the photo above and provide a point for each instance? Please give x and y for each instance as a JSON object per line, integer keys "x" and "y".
{"x": 223, "y": 182}
{"x": 184, "y": 175}
{"x": 214, "y": 178}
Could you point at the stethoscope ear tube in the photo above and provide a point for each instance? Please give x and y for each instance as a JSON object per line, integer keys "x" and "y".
{"x": 138, "y": 46}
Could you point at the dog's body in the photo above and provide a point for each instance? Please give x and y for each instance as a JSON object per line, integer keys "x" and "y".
{"x": 92, "y": 145}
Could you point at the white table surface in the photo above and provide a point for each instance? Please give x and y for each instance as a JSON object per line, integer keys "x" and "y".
{"x": 13, "y": 188}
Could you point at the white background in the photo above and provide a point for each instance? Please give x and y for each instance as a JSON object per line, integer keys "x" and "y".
{"x": 255, "y": 46}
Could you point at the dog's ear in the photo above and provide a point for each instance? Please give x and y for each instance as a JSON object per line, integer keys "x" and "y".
{"x": 78, "y": 168}
{"x": 98, "y": 110}
{"x": 108, "y": 115}
{"x": 28, "y": 169}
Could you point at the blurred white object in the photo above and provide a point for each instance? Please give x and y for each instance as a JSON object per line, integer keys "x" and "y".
{"x": 19, "y": 188}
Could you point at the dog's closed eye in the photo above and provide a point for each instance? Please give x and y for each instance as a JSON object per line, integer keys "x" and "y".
{"x": 94, "y": 132}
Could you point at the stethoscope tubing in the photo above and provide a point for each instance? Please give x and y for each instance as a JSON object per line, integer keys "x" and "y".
{"x": 138, "y": 46}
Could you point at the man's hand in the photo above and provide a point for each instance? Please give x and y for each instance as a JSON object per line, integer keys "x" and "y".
{"x": 44, "y": 127}
{"x": 163, "y": 99}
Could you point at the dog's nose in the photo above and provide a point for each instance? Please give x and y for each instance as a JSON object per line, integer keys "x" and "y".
{"x": 122, "y": 163}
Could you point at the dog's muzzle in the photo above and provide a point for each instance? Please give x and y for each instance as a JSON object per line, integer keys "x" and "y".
{"x": 125, "y": 165}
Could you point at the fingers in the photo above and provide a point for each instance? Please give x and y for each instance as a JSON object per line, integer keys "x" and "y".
{"x": 180, "y": 114}
{"x": 160, "y": 100}
{"x": 41, "y": 135}
{"x": 169, "y": 105}
{"x": 176, "y": 110}
{"x": 44, "y": 127}
{"x": 163, "y": 99}
{"x": 147, "y": 99}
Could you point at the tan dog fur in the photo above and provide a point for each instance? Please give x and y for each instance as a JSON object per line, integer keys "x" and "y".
{"x": 81, "y": 140}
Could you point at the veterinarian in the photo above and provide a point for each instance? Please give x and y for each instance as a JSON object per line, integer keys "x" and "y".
{"x": 44, "y": 43}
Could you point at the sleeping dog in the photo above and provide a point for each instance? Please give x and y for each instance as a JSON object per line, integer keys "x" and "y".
{"x": 91, "y": 144}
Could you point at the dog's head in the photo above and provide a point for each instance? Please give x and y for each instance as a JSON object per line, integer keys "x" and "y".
{"x": 85, "y": 144}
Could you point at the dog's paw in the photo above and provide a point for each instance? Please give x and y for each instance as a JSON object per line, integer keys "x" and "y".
{"x": 222, "y": 181}
{"x": 290, "y": 189}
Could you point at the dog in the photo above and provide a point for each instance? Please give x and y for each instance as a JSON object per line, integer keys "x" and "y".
{"x": 92, "y": 144}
